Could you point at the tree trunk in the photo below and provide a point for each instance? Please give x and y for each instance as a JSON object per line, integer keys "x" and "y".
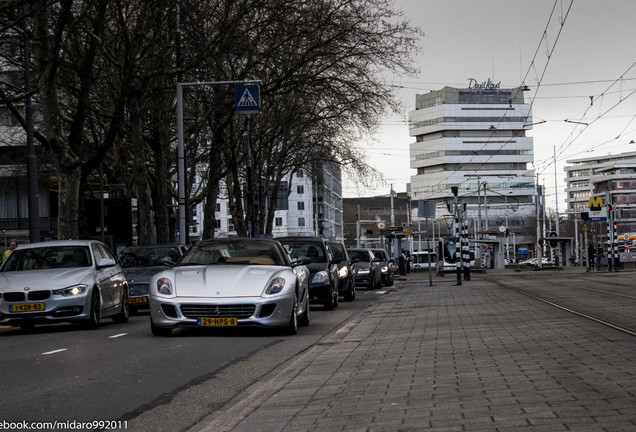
{"x": 68, "y": 182}
{"x": 159, "y": 144}
{"x": 140, "y": 175}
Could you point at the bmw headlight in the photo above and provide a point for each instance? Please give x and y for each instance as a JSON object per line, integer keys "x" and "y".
{"x": 164, "y": 286}
{"x": 71, "y": 291}
{"x": 275, "y": 286}
{"x": 385, "y": 269}
{"x": 320, "y": 277}
{"x": 343, "y": 272}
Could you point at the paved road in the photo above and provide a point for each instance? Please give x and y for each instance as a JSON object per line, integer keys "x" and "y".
{"x": 121, "y": 372}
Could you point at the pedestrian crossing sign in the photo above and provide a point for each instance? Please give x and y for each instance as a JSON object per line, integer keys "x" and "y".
{"x": 247, "y": 99}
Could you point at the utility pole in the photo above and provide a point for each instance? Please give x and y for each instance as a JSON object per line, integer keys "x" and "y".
{"x": 539, "y": 243}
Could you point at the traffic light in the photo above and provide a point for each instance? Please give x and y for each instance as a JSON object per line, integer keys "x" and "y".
{"x": 552, "y": 241}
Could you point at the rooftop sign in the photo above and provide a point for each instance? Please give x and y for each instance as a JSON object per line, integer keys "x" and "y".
{"x": 473, "y": 84}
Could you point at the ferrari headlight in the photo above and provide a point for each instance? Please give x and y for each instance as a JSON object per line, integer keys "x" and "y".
{"x": 71, "y": 291}
{"x": 275, "y": 286}
{"x": 320, "y": 277}
{"x": 343, "y": 272}
{"x": 164, "y": 286}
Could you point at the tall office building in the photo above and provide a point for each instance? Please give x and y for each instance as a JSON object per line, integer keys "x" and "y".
{"x": 475, "y": 139}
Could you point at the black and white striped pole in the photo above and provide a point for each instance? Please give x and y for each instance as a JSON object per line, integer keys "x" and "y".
{"x": 465, "y": 248}
{"x": 458, "y": 249}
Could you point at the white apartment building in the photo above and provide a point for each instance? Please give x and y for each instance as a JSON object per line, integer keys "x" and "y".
{"x": 475, "y": 139}
{"x": 307, "y": 206}
{"x": 611, "y": 176}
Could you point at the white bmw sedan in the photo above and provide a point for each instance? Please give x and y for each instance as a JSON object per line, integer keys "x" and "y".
{"x": 71, "y": 280}
{"x": 231, "y": 282}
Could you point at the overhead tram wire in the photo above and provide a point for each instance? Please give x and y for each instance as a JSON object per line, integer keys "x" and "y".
{"x": 539, "y": 82}
{"x": 563, "y": 147}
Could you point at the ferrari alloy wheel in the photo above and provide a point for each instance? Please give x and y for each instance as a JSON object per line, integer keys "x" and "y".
{"x": 159, "y": 331}
{"x": 292, "y": 327}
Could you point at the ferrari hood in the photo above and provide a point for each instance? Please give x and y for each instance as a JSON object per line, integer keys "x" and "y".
{"x": 223, "y": 280}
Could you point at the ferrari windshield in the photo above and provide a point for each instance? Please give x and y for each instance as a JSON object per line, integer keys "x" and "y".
{"x": 234, "y": 251}
{"x": 48, "y": 258}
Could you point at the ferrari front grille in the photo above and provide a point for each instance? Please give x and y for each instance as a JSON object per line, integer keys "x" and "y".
{"x": 240, "y": 311}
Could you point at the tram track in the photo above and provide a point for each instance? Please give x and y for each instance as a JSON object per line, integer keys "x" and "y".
{"x": 600, "y": 320}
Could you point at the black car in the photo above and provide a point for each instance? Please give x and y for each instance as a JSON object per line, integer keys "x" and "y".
{"x": 346, "y": 286}
{"x": 366, "y": 268}
{"x": 323, "y": 267}
{"x": 386, "y": 266}
{"x": 140, "y": 263}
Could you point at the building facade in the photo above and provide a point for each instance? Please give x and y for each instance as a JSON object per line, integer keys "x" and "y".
{"x": 309, "y": 204}
{"x": 475, "y": 139}
{"x": 611, "y": 177}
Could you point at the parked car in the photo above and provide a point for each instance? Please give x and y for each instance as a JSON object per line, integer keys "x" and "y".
{"x": 140, "y": 263}
{"x": 75, "y": 281}
{"x": 322, "y": 266}
{"x": 366, "y": 268}
{"x": 346, "y": 286}
{"x": 231, "y": 282}
{"x": 386, "y": 266}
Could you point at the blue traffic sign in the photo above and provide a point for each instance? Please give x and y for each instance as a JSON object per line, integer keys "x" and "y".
{"x": 247, "y": 98}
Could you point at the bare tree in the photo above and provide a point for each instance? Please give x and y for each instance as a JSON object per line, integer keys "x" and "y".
{"x": 322, "y": 66}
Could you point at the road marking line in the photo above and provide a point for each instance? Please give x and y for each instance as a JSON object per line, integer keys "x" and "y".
{"x": 55, "y": 351}
{"x": 380, "y": 292}
{"x": 117, "y": 335}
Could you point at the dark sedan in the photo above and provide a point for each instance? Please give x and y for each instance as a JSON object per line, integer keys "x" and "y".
{"x": 322, "y": 266}
{"x": 346, "y": 286}
{"x": 386, "y": 266}
{"x": 140, "y": 263}
{"x": 366, "y": 268}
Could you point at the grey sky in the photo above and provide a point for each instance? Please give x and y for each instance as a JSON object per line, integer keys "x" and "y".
{"x": 587, "y": 49}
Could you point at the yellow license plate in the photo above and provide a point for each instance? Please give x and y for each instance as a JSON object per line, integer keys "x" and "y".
{"x": 138, "y": 300}
{"x": 26, "y": 307}
{"x": 217, "y": 322}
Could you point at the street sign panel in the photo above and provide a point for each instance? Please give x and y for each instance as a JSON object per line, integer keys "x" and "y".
{"x": 598, "y": 215}
{"x": 247, "y": 99}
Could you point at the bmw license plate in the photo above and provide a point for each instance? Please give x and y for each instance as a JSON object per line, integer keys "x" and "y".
{"x": 26, "y": 307}
{"x": 217, "y": 322}
{"x": 138, "y": 300}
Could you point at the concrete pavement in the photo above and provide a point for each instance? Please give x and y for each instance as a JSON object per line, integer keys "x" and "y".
{"x": 449, "y": 358}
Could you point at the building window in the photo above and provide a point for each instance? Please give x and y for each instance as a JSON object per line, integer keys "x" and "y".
{"x": 217, "y": 223}
{"x": 218, "y": 207}
{"x": 300, "y": 174}
{"x": 300, "y": 189}
{"x": 301, "y": 205}
{"x": 301, "y": 222}
{"x": 279, "y": 221}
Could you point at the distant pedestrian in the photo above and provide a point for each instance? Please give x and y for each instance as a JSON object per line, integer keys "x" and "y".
{"x": 13, "y": 243}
